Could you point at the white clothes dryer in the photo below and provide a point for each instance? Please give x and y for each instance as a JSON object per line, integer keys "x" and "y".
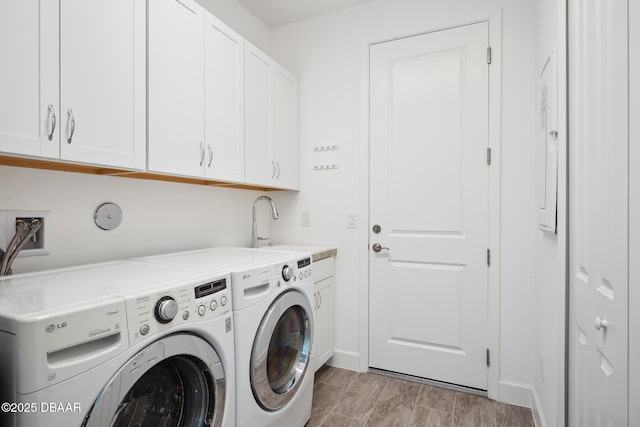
{"x": 272, "y": 294}
{"x": 121, "y": 343}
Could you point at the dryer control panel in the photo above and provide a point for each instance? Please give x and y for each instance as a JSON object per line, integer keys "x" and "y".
{"x": 157, "y": 310}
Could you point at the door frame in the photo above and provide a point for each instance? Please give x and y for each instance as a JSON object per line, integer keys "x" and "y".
{"x": 634, "y": 213}
{"x": 504, "y": 392}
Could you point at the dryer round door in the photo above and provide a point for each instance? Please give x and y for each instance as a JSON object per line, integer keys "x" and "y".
{"x": 281, "y": 351}
{"x": 178, "y": 381}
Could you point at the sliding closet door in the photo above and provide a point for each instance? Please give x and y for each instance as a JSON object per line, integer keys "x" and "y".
{"x": 599, "y": 213}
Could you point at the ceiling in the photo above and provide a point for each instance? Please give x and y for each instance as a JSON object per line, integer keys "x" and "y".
{"x": 282, "y": 12}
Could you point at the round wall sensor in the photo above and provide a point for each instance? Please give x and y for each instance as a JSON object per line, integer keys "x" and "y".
{"x": 108, "y": 216}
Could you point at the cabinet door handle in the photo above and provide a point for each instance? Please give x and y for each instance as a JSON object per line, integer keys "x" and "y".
{"x": 71, "y": 122}
{"x": 52, "y": 115}
{"x": 201, "y": 153}
{"x": 273, "y": 169}
{"x": 210, "y": 155}
{"x": 278, "y": 165}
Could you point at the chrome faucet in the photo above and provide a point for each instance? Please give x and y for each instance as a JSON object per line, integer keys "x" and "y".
{"x": 254, "y": 226}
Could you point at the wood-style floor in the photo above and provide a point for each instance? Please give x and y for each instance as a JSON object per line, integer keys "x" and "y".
{"x": 343, "y": 398}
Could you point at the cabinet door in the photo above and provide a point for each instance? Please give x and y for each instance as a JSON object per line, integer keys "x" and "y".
{"x": 176, "y": 87}
{"x": 102, "y": 82}
{"x": 224, "y": 101}
{"x": 29, "y": 78}
{"x": 324, "y": 340}
{"x": 260, "y": 167}
{"x": 285, "y": 129}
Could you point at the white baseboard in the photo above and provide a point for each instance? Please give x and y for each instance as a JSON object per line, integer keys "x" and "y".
{"x": 538, "y": 416}
{"x": 515, "y": 393}
{"x": 345, "y": 360}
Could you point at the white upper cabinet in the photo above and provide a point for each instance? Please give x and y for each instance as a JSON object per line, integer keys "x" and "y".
{"x": 260, "y": 168}
{"x": 159, "y": 85}
{"x": 271, "y": 122}
{"x": 29, "y": 96}
{"x": 176, "y": 87}
{"x": 75, "y": 88}
{"x": 102, "y": 82}
{"x": 284, "y": 113}
{"x": 223, "y": 101}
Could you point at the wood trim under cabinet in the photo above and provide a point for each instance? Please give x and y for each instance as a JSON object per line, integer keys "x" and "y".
{"x": 100, "y": 170}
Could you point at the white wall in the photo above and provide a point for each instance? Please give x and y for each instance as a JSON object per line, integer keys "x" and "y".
{"x": 550, "y": 256}
{"x": 157, "y": 216}
{"x": 325, "y": 52}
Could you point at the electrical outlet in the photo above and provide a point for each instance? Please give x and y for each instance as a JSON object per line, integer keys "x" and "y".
{"x": 352, "y": 220}
{"x": 36, "y": 245}
{"x": 306, "y": 219}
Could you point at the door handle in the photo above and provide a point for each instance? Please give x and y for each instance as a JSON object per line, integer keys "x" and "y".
{"x": 210, "y": 155}
{"x": 601, "y": 323}
{"x": 52, "y": 114}
{"x": 377, "y": 247}
{"x": 201, "y": 153}
{"x": 72, "y": 123}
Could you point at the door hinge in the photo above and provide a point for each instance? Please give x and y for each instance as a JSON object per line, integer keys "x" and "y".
{"x": 488, "y": 257}
{"x": 489, "y": 156}
{"x": 488, "y": 358}
{"x": 489, "y": 55}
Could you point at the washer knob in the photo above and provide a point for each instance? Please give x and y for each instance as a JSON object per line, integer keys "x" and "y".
{"x": 166, "y": 309}
{"x": 287, "y": 273}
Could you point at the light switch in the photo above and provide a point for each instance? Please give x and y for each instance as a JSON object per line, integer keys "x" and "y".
{"x": 306, "y": 219}
{"x": 352, "y": 220}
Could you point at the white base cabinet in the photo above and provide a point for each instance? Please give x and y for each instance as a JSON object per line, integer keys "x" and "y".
{"x": 323, "y": 273}
{"x": 74, "y": 88}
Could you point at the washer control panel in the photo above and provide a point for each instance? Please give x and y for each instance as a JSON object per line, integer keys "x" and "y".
{"x": 154, "y": 311}
{"x": 292, "y": 271}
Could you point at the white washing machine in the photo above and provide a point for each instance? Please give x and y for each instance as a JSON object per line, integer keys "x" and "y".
{"x": 272, "y": 296}
{"x": 118, "y": 344}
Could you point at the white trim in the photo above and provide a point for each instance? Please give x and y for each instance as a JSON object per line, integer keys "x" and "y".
{"x": 346, "y": 360}
{"x": 536, "y": 409}
{"x": 515, "y": 393}
{"x": 495, "y": 111}
{"x": 495, "y": 193}
{"x": 634, "y": 213}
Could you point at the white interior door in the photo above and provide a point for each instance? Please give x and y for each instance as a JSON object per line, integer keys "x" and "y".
{"x": 102, "y": 82}
{"x": 599, "y": 221}
{"x": 429, "y": 195}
